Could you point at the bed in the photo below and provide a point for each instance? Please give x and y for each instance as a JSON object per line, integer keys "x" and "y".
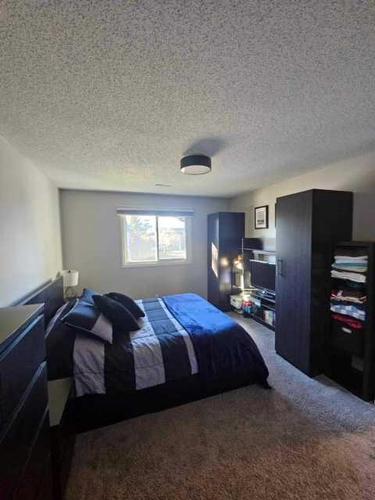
{"x": 185, "y": 349}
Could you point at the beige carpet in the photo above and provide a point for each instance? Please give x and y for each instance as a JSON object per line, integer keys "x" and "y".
{"x": 305, "y": 439}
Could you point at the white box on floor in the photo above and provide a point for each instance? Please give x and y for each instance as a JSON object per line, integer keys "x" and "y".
{"x": 236, "y": 301}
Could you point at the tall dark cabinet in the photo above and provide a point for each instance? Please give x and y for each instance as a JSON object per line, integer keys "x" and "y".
{"x": 225, "y": 232}
{"x": 308, "y": 226}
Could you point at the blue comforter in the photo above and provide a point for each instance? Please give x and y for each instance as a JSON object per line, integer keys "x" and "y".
{"x": 180, "y": 336}
{"x": 223, "y": 348}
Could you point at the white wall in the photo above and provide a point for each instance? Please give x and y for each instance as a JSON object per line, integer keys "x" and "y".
{"x": 30, "y": 248}
{"x": 356, "y": 174}
{"x": 92, "y": 244}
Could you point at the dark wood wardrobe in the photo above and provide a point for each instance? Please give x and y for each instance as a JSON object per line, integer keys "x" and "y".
{"x": 225, "y": 232}
{"x": 308, "y": 225}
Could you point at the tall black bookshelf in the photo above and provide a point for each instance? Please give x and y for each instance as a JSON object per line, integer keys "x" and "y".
{"x": 351, "y": 360}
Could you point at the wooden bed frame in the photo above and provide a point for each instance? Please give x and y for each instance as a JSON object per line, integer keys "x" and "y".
{"x": 92, "y": 411}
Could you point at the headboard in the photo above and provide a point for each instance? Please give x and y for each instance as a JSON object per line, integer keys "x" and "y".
{"x": 50, "y": 294}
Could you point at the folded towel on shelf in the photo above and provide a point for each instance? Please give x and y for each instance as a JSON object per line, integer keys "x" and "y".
{"x": 349, "y": 310}
{"x": 353, "y": 285}
{"x": 345, "y": 275}
{"x": 350, "y": 252}
{"x": 348, "y": 258}
{"x": 349, "y": 295}
{"x": 356, "y": 268}
{"x": 345, "y": 320}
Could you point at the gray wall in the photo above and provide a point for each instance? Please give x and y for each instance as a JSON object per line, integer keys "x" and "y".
{"x": 92, "y": 244}
{"x": 356, "y": 174}
{"x": 91, "y": 230}
{"x": 30, "y": 249}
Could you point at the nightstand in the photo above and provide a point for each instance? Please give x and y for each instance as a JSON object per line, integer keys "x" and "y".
{"x": 62, "y": 434}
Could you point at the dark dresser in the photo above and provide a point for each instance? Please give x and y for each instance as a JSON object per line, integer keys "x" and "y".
{"x": 25, "y": 461}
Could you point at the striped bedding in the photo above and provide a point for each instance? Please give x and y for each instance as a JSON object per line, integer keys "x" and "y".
{"x": 180, "y": 336}
{"x": 160, "y": 351}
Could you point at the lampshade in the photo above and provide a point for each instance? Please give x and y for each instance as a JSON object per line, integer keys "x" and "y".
{"x": 70, "y": 277}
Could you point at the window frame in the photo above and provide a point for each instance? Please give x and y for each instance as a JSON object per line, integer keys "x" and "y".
{"x": 158, "y": 262}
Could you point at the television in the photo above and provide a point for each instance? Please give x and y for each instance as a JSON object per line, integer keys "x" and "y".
{"x": 263, "y": 275}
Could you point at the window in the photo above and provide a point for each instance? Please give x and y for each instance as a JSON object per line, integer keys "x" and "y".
{"x": 151, "y": 239}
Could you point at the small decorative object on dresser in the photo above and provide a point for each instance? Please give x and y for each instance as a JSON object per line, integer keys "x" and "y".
{"x": 25, "y": 460}
{"x": 261, "y": 217}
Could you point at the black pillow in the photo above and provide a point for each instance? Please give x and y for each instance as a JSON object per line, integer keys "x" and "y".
{"x": 120, "y": 317}
{"x": 127, "y": 302}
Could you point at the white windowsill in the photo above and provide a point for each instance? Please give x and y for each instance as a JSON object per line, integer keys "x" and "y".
{"x": 159, "y": 263}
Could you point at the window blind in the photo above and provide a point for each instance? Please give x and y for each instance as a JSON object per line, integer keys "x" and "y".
{"x": 166, "y": 212}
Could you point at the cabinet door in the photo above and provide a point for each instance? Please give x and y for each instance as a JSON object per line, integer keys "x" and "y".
{"x": 293, "y": 279}
{"x": 231, "y": 227}
{"x": 213, "y": 250}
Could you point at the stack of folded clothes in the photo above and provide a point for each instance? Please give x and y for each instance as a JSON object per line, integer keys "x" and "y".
{"x": 350, "y": 267}
{"x": 354, "y": 310}
{"x": 348, "y": 301}
{"x": 349, "y": 322}
{"x": 349, "y": 294}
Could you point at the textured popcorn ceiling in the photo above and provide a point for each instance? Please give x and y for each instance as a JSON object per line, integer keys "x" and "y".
{"x": 110, "y": 94}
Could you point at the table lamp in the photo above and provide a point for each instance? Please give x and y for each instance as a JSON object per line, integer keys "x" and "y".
{"x": 70, "y": 280}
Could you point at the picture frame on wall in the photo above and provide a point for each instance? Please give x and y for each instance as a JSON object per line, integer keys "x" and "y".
{"x": 261, "y": 217}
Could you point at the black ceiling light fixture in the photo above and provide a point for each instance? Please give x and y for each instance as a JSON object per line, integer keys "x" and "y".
{"x": 195, "y": 164}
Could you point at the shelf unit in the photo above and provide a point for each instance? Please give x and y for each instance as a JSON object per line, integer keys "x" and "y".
{"x": 351, "y": 360}
{"x": 252, "y": 249}
{"x": 251, "y": 244}
{"x": 259, "y": 252}
{"x": 265, "y": 303}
